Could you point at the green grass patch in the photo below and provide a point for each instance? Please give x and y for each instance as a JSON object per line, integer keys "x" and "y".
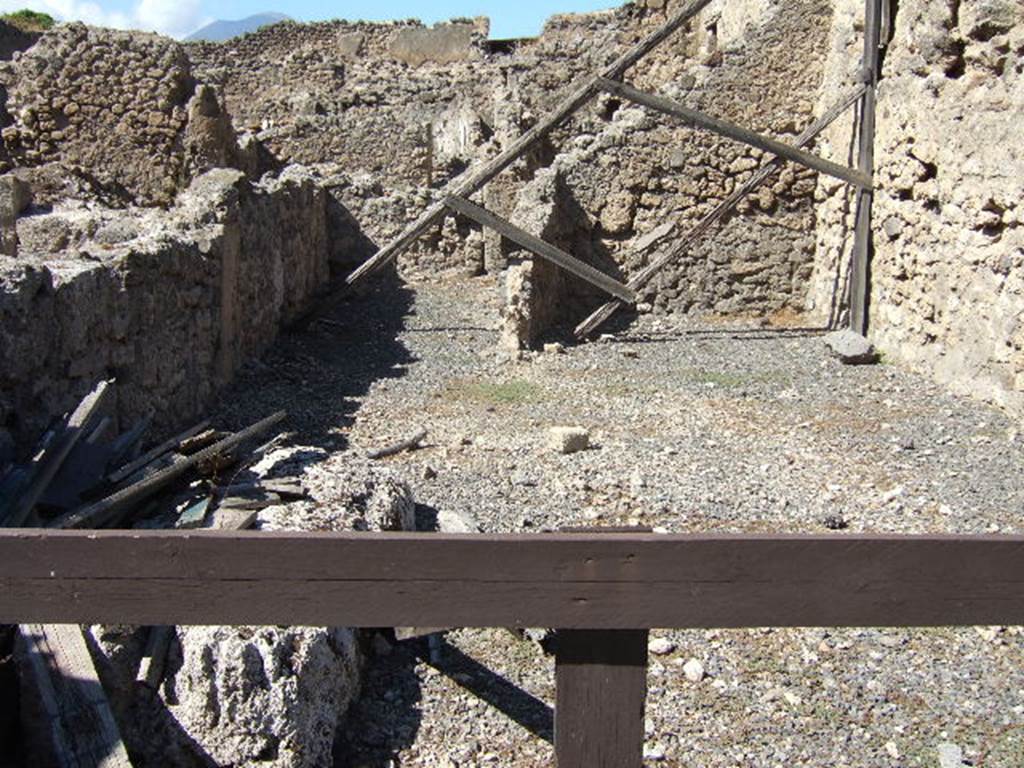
{"x": 511, "y": 392}
{"x": 29, "y": 21}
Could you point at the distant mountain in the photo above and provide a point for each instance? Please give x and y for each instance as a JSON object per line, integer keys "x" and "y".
{"x": 218, "y": 31}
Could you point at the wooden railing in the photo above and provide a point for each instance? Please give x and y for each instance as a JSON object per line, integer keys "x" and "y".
{"x": 603, "y": 592}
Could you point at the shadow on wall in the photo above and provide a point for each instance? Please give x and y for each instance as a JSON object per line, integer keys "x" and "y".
{"x": 318, "y": 374}
{"x": 543, "y": 301}
{"x": 349, "y": 246}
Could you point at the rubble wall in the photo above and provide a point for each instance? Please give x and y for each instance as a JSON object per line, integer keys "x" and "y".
{"x": 168, "y": 303}
{"x": 112, "y": 116}
{"x": 391, "y": 129}
{"x": 947, "y": 286}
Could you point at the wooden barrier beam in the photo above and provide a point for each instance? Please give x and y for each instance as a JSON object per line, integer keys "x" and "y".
{"x": 545, "y": 250}
{"x": 735, "y": 132}
{"x": 570, "y": 581}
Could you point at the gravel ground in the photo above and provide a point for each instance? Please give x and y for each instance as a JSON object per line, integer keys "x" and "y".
{"x": 706, "y": 428}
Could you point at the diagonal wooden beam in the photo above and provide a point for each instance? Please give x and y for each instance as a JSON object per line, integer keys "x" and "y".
{"x": 545, "y": 250}
{"x": 737, "y": 133}
{"x": 602, "y": 315}
{"x": 45, "y": 469}
{"x": 466, "y": 186}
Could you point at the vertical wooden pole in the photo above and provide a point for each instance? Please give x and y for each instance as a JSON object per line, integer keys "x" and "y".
{"x": 859, "y": 288}
{"x": 601, "y": 685}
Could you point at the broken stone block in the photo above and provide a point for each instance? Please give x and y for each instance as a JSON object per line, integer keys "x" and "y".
{"x": 267, "y": 695}
{"x": 15, "y": 197}
{"x": 851, "y": 348}
{"x": 569, "y": 439}
{"x": 444, "y": 44}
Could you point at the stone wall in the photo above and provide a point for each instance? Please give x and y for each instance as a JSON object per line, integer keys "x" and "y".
{"x": 110, "y": 115}
{"x": 390, "y": 129}
{"x": 948, "y": 270}
{"x": 170, "y": 303}
{"x": 632, "y": 170}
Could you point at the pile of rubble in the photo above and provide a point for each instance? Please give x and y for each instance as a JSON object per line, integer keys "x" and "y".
{"x": 182, "y": 696}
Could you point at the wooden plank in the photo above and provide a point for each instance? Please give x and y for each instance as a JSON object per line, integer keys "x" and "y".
{"x": 642, "y": 278}
{"x": 158, "y": 644}
{"x": 155, "y": 453}
{"x": 572, "y": 581}
{"x": 194, "y": 515}
{"x": 601, "y": 686}
{"x": 99, "y": 513}
{"x": 735, "y": 132}
{"x": 127, "y": 444}
{"x": 154, "y": 659}
{"x": 545, "y": 250}
{"x": 859, "y": 288}
{"x": 401, "y": 446}
{"x": 477, "y": 177}
{"x": 47, "y": 466}
{"x": 82, "y": 471}
{"x": 82, "y": 725}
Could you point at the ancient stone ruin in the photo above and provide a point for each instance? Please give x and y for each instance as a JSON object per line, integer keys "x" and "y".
{"x": 169, "y": 211}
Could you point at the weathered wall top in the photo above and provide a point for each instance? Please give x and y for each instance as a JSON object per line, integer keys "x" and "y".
{"x": 115, "y": 113}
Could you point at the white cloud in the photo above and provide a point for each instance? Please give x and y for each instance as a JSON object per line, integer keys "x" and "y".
{"x": 169, "y": 17}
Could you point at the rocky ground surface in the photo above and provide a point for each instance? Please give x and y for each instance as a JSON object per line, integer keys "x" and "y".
{"x": 711, "y": 428}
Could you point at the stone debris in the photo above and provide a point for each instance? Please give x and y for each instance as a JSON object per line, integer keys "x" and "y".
{"x": 660, "y": 646}
{"x": 15, "y": 197}
{"x": 950, "y": 755}
{"x": 192, "y": 200}
{"x": 851, "y": 348}
{"x": 265, "y": 695}
{"x": 693, "y": 670}
{"x": 568, "y": 439}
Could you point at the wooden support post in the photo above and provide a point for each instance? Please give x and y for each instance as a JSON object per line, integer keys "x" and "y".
{"x": 601, "y": 687}
{"x": 545, "y": 250}
{"x": 737, "y": 133}
{"x": 464, "y": 187}
{"x": 859, "y": 275}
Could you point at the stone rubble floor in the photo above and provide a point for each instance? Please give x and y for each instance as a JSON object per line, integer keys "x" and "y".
{"x": 711, "y": 427}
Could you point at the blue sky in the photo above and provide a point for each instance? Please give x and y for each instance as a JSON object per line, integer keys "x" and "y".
{"x": 180, "y": 17}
